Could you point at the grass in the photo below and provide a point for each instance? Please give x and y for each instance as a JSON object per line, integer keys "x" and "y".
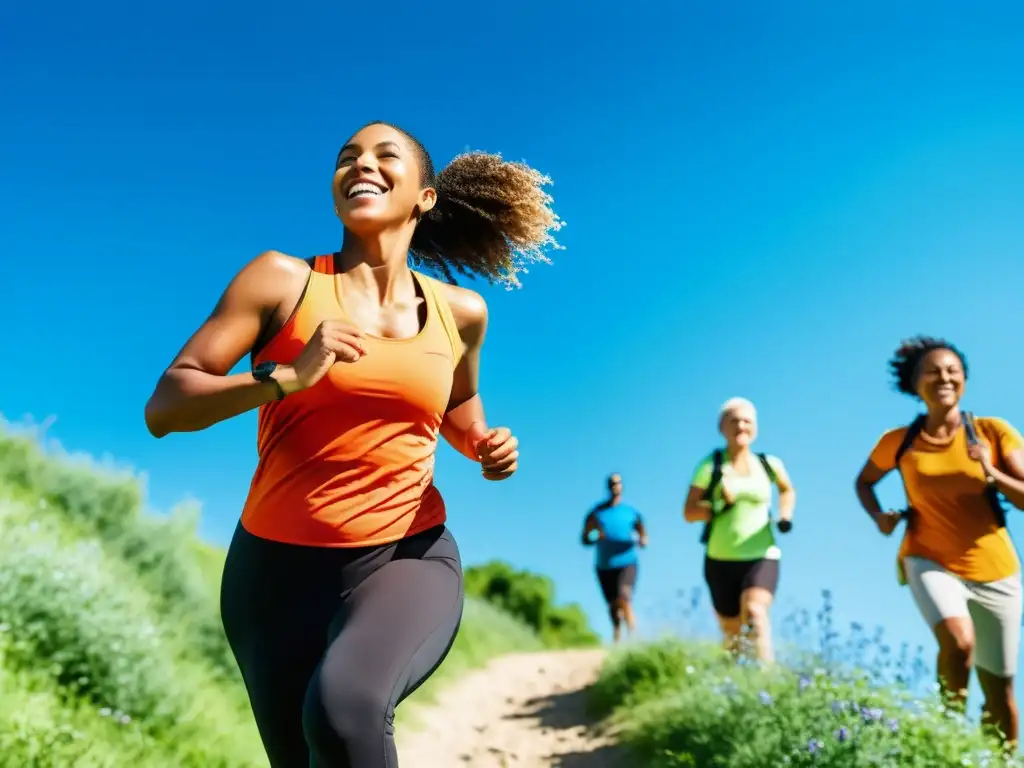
{"x": 111, "y": 649}
{"x": 850, "y": 703}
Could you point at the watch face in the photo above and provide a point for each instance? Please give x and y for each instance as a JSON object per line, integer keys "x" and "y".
{"x": 263, "y": 370}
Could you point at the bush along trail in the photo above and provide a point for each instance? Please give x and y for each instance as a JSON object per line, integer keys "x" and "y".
{"x": 679, "y": 703}
{"x": 111, "y": 648}
{"x": 111, "y": 654}
{"x": 852, "y": 702}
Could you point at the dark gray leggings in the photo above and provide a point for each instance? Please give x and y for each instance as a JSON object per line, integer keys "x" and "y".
{"x": 330, "y": 640}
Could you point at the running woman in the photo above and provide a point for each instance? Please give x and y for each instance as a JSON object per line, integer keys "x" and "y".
{"x": 616, "y": 529}
{"x": 956, "y": 555}
{"x": 343, "y": 590}
{"x": 731, "y": 493}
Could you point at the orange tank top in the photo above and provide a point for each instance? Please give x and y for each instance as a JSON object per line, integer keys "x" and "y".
{"x": 349, "y": 462}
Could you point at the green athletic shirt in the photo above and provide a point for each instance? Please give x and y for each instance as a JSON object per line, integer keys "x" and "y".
{"x": 744, "y": 532}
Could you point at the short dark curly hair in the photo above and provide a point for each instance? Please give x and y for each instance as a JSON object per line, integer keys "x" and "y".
{"x": 906, "y": 361}
{"x": 491, "y": 220}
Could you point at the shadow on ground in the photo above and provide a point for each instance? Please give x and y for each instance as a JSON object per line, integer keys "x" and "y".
{"x": 566, "y": 714}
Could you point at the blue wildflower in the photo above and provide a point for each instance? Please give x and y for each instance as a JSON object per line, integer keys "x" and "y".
{"x": 872, "y": 715}
{"x": 765, "y": 697}
{"x": 842, "y": 734}
{"x": 805, "y": 682}
{"x": 814, "y": 745}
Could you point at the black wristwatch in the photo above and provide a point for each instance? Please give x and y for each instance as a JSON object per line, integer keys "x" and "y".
{"x": 262, "y": 373}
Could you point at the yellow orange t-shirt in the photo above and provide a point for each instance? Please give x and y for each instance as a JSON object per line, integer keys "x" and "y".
{"x": 954, "y": 524}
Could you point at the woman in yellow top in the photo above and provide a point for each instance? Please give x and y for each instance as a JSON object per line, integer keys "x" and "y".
{"x": 956, "y": 554}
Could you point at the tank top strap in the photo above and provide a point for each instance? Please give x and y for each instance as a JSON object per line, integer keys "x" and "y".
{"x": 436, "y": 302}
{"x": 324, "y": 264}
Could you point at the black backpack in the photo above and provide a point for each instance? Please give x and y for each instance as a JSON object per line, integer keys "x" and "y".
{"x": 992, "y": 494}
{"x": 716, "y": 477}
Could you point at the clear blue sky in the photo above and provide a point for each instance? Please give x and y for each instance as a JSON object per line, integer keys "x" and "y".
{"x": 761, "y": 201}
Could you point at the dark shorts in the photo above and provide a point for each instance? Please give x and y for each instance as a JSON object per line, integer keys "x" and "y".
{"x": 617, "y": 583}
{"x": 728, "y": 579}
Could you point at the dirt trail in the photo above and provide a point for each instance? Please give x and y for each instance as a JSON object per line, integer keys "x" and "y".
{"x": 520, "y": 711}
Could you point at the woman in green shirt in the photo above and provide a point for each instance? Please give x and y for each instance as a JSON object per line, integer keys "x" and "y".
{"x": 731, "y": 492}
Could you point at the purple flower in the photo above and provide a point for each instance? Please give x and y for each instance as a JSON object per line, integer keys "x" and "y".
{"x": 842, "y": 734}
{"x": 872, "y": 715}
{"x": 814, "y": 745}
{"x": 894, "y": 725}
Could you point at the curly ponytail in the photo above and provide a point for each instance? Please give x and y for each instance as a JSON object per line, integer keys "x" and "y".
{"x": 491, "y": 219}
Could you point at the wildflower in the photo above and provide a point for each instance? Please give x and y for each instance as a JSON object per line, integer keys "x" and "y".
{"x": 872, "y": 715}
{"x": 814, "y": 745}
{"x": 838, "y": 707}
{"x": 766, "y": 698}
{"x": 894, "y": 725}
{"x": 805, "y": 683}
{"x": 843, "y": 734}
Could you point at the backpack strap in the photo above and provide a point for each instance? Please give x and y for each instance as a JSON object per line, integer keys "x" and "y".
{"x": 716, "y": 477}
{"x": 913, "y": 430}
{"x": 991, "y": 492}
{"x": 444, "y": 313}
{"x": 767, "y": 468}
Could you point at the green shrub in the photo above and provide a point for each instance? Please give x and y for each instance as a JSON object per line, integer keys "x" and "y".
{"x": 685, "y": 704}
{"x": 530, "y": 597}
{"x": 65, "y": 608}
{"x": 96, "y": 501}
{"x": 111, "y": 648}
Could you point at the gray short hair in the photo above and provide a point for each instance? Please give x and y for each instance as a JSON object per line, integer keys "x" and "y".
{"x": 732, "y": 404}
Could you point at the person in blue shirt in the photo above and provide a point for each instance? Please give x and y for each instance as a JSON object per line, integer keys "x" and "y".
{"x": 616, "y": 530}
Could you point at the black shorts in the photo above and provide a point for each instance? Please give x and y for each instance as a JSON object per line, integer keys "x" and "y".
{"x": 617, "y": 583}
{"x": 728, "y": 579}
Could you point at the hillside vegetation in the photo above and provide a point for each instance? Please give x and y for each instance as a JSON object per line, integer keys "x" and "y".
{"x": 683, "y": 703}
{"x": 111, "y": 648}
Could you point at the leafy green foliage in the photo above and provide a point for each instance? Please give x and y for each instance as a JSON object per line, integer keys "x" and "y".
{"x": 681, "y": 703}
{"x": 111, "y": 648}
{"x": 530, "y": 597}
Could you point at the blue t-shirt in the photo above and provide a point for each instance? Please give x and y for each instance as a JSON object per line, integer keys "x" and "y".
{"x": 618, "y": 547}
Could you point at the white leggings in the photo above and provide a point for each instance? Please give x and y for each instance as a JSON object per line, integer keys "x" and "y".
{"x": 993, "y": 606}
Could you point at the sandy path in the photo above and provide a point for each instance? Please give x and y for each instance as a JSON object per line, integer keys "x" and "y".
{"x": 520, "y": 711}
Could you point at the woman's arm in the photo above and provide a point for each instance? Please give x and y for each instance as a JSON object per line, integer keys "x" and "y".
{"x": 1010, "y": 446}
{"x": 787, "y": 493}
{"x": 1011, "y": 483}
{"x": 696, "y": 510}
{"x": 196, "y": 391}
{"x": 870, "y": 475}
{"x": 464, "y": 423}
